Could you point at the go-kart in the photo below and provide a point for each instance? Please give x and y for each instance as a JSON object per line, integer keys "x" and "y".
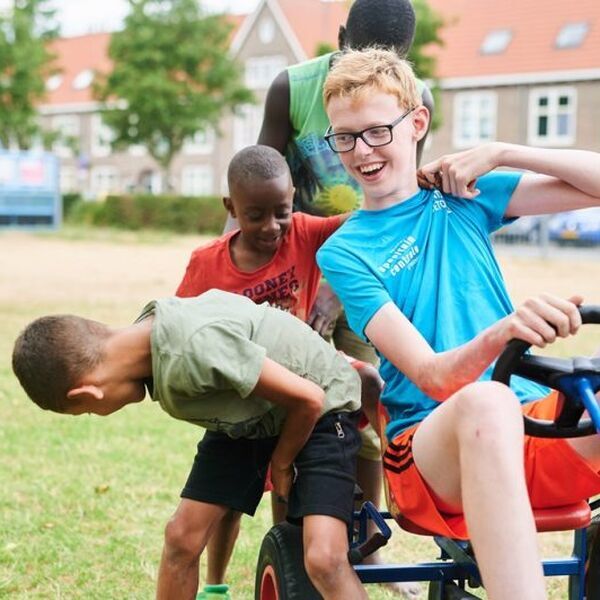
{"x": 280, "y": 573}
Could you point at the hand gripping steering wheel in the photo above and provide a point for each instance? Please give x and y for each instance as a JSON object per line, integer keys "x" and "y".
{"x": 577, "y": 378}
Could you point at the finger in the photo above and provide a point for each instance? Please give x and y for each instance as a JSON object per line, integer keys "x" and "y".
{"x": 423, "y": 181}
{"x": 569, "y": 309}
{"x": 317, "y": 323}
{"x": 446, "y": 181}
{"x": 555, "y": 312}
{"x": 430, "y": 169}
{"x": 538, "y": 323}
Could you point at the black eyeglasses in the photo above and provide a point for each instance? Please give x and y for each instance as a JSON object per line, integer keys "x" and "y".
{"x": 379, "y": 135}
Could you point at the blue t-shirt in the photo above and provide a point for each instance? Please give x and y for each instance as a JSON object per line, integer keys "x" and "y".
{"x": 431, "y": 256}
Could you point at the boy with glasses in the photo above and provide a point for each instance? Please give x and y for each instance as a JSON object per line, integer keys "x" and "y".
{"x": 417, "y": 275}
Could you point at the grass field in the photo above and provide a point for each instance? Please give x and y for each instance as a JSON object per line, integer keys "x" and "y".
{"x": 83, "y": 501}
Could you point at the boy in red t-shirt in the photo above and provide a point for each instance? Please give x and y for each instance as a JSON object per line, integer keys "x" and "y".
{"x": 270, "y": 258}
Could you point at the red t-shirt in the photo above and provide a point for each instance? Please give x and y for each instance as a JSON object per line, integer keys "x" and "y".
{"x": 288, "y": 281}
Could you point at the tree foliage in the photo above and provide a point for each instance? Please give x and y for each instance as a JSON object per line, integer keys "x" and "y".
{"x": 25, "y": 63}
{"x": 172, "y": 77}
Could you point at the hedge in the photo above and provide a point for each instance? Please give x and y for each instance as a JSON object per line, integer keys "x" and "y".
{"x": 182, "y": 214}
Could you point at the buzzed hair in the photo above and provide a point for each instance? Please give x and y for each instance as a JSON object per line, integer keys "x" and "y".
{"x": 53, "y": 353}
{"x": 387, "y": 23}
{"x": 357, "y": 74}
{"x": 256, "y": 162}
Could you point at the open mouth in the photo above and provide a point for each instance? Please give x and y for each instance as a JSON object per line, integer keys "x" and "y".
{"x": 371, "y": 170}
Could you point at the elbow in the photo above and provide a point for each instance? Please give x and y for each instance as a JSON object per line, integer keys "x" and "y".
{"x": 315, "y": 402}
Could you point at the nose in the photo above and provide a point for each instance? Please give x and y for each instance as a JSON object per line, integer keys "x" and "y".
{"x": 270, "y": 225}
{"x": 361, "y": 148}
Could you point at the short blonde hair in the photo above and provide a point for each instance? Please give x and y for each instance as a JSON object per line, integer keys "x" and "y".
{"x": 357, "y": 74}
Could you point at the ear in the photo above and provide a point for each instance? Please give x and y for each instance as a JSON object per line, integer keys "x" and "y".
{"x": 228, "y": 204}
{"x": 85, "y": 392}
{"x": 420, "y": 119}
{"x": 342, "y": 42}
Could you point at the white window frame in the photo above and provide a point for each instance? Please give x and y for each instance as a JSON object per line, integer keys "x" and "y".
{"x": 104, "y": 180}
{"x": 101, "y": 137}
{"x": 553, "y": 110}
{"x": 69, "y": 179}
{"x": 66, "y": 126}
{"x": 476, "y": 100}
{"x": 197, "y": 180}
{"x": 246, "y": 126}
{"x": 261, "y": 70}
{"x": 203, "y": 142}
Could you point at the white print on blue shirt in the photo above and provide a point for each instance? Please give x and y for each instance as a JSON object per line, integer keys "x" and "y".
{"x": 404, "y": 255}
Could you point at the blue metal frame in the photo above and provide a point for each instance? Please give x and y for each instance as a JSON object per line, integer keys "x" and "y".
{"x": 456, "y": 563}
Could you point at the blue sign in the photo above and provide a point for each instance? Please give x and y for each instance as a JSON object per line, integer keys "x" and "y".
{"x": 29, "y": 189}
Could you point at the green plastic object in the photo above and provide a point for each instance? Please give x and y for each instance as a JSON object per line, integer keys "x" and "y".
{"x": 214, "y": 592}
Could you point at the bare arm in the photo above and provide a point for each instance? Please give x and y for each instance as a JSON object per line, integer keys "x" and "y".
{"x": 538, "y": 321}
{"x": 303, "y": 402}
{"x": 561, "y": 179}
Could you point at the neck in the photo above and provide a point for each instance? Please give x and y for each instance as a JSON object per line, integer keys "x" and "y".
{"x": 128, "y": 350}
{"x": 244, "y": 257}
{"x": 400, "y": 194}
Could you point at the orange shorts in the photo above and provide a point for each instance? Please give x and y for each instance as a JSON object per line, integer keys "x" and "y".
{"x": 556, "y": 476}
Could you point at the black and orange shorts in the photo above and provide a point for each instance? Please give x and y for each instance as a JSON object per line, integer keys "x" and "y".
{"x": 556, "y": 476}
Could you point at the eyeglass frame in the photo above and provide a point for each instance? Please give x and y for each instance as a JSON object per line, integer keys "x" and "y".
{"x": 360, "y": 134}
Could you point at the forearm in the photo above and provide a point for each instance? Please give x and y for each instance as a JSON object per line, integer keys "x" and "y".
{"x": 447, "y": 372}
{"x": 295, "y": 432}
{"x": 578, "y": 168}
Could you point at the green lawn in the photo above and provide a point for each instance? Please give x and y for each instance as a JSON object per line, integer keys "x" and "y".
{"x": 83, "y": 501}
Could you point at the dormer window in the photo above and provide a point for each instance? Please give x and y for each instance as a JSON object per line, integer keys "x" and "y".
{"x": 496, "y": 41}
{"x": 571, "y": 35}
{"x": 83, "y": 79}
{"x": 53, "y": 82}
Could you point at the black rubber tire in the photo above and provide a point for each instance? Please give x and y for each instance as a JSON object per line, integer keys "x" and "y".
{"x": 280, "y": 573}
{"x": 448, "y": 591}
{"x": 592, "y": 568}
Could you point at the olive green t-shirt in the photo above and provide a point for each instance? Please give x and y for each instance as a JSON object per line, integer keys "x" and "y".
{"x": 208, "y": 352}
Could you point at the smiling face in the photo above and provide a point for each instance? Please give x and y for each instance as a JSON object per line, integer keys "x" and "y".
{"x": 263, "y": 208}
{"x": 387, "y": 174}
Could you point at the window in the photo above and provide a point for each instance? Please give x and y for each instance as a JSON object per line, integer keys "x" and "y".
{"x": 68, "y": 179}
{"x": 103, "y": 181}
{"x": 246, "y": 126}
{"x": 197, "y": 180}
{"x": 83, "y": 79}
{"x": 496, "y": 41}
{"x": 68, "y": 129}
{"x": 261, "y": 70}
{"x": 266, "y": 30}
{"x": 552, "y": 113}
{"x": 102, "y": 136}
{"x": 571, "y": 35}
{"x": 203, "y": 142}
{"x": 53, "y": 82}
{"x": 474, "y": 118}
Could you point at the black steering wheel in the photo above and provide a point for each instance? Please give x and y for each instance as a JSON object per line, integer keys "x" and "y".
{"x": 577, "y": 378}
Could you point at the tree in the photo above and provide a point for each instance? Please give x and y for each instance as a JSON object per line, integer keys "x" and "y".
{"x": 172, "y": 77}
{"x": 25, "y": 63}
{"x": 423, "y": 60}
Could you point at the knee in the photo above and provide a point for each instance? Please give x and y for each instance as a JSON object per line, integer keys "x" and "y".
{"x": 182, "y": 542}
{"x": 324, "y": 563}
{"x": 488, "y": 407}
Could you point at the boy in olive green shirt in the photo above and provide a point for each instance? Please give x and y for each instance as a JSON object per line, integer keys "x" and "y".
{"x": 265, "y": 386}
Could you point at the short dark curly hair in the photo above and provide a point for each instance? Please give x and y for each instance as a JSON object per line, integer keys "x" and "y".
{"x": 385, "y": 23}
{"x": 257, "y": 162}
{"x": 53, "y": 353}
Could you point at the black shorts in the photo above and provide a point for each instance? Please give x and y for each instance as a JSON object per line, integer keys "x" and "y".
{"x": 232, "y": 472}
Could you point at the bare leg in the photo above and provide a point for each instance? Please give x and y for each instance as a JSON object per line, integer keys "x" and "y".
{"x": 325, "y": 549}
{"x": 470, "y": 452}
{"x": 220, "y": 546}
{"x": 186, "y": 536}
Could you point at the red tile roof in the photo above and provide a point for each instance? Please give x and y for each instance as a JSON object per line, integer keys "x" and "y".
{"x": 77, "y": 54}
{"x": 534, "y": 25}
{"x": 315, "y": 21}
